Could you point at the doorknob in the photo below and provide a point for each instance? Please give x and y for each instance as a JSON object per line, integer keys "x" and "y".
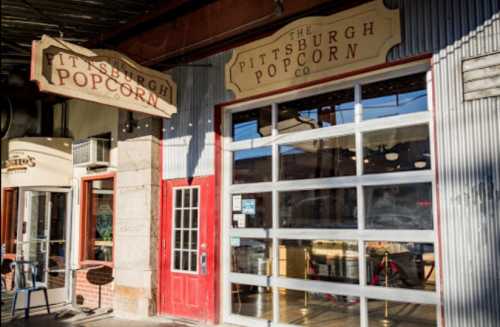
{"x": 203, "y": 263}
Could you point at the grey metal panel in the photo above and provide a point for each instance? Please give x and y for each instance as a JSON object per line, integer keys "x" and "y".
{"x": 188, "y": 137}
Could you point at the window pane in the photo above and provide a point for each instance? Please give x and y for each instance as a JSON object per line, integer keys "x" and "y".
{"x": 401, "y": 314}
{"x": 194, "y": 218}
{"x": 252, "y": 210}
{"x": 100, "y": 221}
{"x": 398, "y": 149}
{"x": 394, "y": 97}
{"x": 195, "y": 197}
{"x": 252, "y": 166}
{"x": 178, "y": 214}
{"x": 251, "y": 256}
{"x": 194, "y": 240}
{"x": 185, "y": 218}
{"x": 318, "y": 309}
{"x": 335, "y": 261}
{"x": 253, "y": 301}
{"x": 185, "y": 239}
{"x": 404, "y": 206}
{"x": 186, "y": 202}
{"x": 178, "y": 198}
{"x": 252, "y": 124}
{"x": 185, "y": 260}
{"x": 193, "y": 261}
{"x": 57, "y": 257}
{"x": 318, "y": 158}
{"x": 177, "y": 239}
{"x": 329, "y": 208}
{"x": 56, "y": 279}
{"x": 401, "y": 265}
{"x": 324, "y": 110}
{"x": 58, "y": 211}
{"x": 177, "y": 260}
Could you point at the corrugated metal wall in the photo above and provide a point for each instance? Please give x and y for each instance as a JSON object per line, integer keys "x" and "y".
{"x": 468, "y": 144}
{"x": 188, "y": 147}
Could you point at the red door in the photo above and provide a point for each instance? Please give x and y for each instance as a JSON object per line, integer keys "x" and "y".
{"x": 187, "y": 267}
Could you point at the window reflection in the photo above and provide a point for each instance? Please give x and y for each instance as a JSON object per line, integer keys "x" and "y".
{"x": 253, "y": 301}
{"x": 318, "y": 309}
{"x": 318, "y": 158}
{"x": 388, "y": 313}
{"x": 398, "y": 96}
{"x": 252, "y": 210}
{"x": 404, "y": 206}
{"x": 335, "y": 261}
{"x": 99, "y": 227}
{"x": 401, "y": 265}
{"x": 252, "y": 124}
{"x": 324, "y": 110}
{"x": 251, "y": 256}
{"x": 252, "y": 166}
{"x": 398, "y": 149}
{"x": 329, "y": 208}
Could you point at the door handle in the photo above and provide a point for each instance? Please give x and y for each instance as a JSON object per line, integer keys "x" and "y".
{"x": 203, "y": 263}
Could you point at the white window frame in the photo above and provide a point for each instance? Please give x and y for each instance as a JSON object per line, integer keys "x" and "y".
{"x": 173, "y": 229}
{"x": 361, "y": 290}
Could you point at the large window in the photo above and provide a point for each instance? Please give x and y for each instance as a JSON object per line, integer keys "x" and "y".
{"x": 329, "y": 207}
{"x": 97, "y": 222}
{"x": 185, "y": 229}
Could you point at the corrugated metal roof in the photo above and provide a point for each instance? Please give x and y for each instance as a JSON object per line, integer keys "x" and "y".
{"x": 78, "y": 20}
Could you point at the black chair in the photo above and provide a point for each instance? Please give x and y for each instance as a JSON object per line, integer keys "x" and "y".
{"x": 22, "y": 269}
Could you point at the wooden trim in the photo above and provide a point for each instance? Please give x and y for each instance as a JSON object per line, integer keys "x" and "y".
{"x": 6, "y": 221}
{"x": 84, "y": 198}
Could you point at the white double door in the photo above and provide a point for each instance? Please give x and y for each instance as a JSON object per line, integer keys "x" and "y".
{"x": 43, "y": 238}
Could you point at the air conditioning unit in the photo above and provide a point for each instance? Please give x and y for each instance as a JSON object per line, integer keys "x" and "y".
{"x": 93, "y": 152}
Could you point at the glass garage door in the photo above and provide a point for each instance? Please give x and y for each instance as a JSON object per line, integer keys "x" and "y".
{"x": 329, "y": 209}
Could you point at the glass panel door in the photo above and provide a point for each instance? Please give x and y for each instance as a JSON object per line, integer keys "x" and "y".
{"x": 43, "y": 236}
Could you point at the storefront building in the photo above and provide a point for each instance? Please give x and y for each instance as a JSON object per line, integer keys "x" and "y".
{"x": 340, "y": 167}
{"x": 340, "y": 171}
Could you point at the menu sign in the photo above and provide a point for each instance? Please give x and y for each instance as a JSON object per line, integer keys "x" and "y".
{"x": 313, "y": 48}
{"x": 102, "y": 76}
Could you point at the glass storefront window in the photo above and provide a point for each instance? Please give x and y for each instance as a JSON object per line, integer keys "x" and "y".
{"x": 251, "y": 256}
{"x": 252, "y": 166}
{"x": 388, "y": 313}
{"x": 401, "y": 265}
{"x": 335, "y": 261}
{"x": 252, "y": 210}
{"x": 98, "y": 227}
{"x": 318, "y": 309}
{"x": 324, "y": 110}
{"x": 318, "y": 158}
{"x": 251, "y": 300}
{"x": 327, "y": 208}
{"x": 398, "y": 96}
{"x": 251, "y": 124}
{"x": 398, "y": 149}
{"x": 402, "y": 206}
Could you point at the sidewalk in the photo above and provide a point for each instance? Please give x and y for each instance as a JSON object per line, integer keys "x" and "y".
{"x": 66, "y": 316}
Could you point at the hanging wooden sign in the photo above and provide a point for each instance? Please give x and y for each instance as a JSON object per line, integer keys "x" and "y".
{"x": 313, "y": 48}
{"x": 101, "y": 76}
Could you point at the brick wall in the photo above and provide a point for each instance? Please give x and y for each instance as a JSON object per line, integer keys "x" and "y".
{"x": 87, "y": 292}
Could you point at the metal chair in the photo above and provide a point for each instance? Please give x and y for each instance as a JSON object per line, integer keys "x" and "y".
{"x": 22, "y": 269}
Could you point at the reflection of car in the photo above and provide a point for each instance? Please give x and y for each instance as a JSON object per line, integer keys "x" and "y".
{"x": 311, "y": 211}
{"x": 398, "y": 221}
